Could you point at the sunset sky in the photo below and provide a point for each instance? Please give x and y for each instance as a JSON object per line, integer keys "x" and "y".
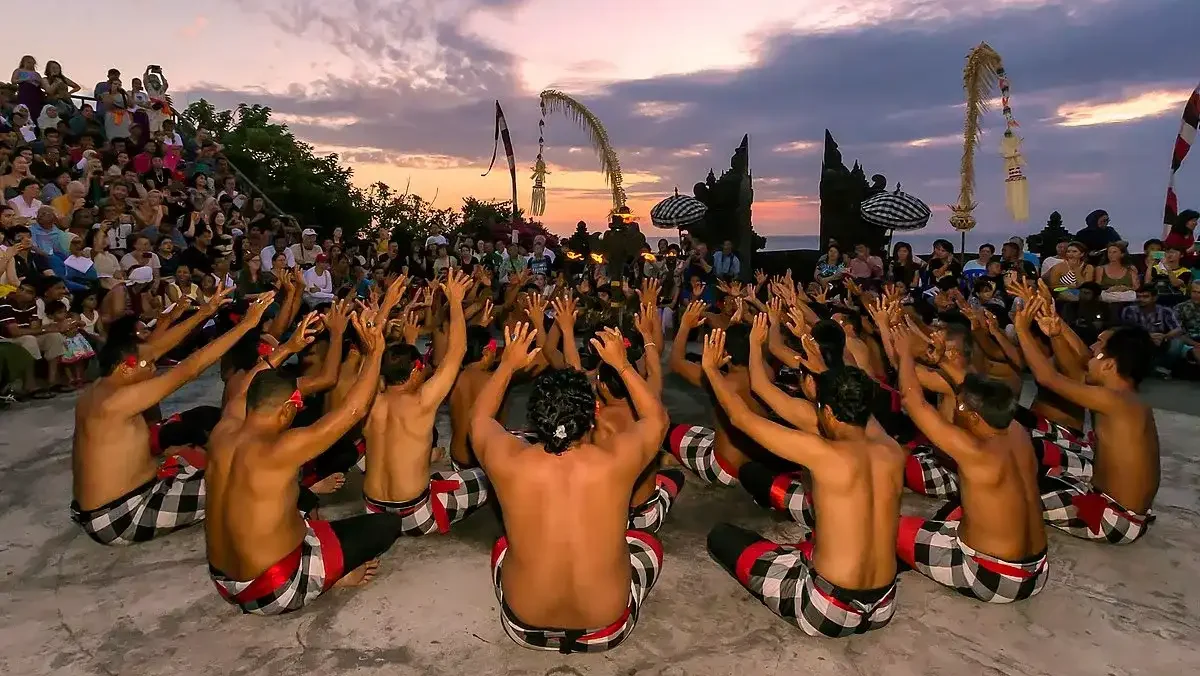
{"x": 404, "y": 89}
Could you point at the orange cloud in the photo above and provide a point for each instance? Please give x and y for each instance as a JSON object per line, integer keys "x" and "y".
{"x": 1137, "y": 107}
{"x": 195, "y": 28}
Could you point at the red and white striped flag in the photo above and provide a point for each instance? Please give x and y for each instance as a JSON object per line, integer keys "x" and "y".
{"x": 1183, "y": 143}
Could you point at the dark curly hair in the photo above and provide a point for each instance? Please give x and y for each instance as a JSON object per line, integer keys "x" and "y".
{"x": 1133, "y": 351}
{"x": 831, "y": 339}
{"x": 991, "y": 399}
{"x": 737, "y": 344}
{"x": 849, "y": 393}
{"x": 398, "y": 362}
{"x": 478, "y": 338}
{"x": 122, "y": 342}
{"x": 562, "y": 408}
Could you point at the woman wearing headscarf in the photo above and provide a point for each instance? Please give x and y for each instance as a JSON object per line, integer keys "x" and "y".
{"x": 1097, "y": 234}
{"x": 49, "y": 118}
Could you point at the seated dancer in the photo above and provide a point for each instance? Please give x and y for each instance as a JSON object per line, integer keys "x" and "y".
{"x": 570, "y": 574}
{"x": 993, "y": 548}
{"x": 714, "y": 454}
{"x": 264, "y": 555}
{"x": 399, "y": 433}
{"x": 121, "y": 493}
{"x": 1113, "y": 504}
{"x": 841, "y": 581}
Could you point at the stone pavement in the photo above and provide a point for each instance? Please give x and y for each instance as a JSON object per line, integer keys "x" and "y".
{"x": 72, "y": 607}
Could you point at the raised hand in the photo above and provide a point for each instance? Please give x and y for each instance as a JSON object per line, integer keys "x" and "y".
{"x": 535, "y": 307}
{"x": 650, "y": 290}
{"x": 1024, "y": 317}
{"x": 221, "y": 296}
{"x": 393, "y": 294}
{"x": 337, "y": 317}
{"x": 823, "y": 293}
{"x": 799, "y": 325}
{"x": 775, "y": 310}
{"x": 456, "y": 286}
{"x": 760, "y": 277}
{"x": 739, "y": 311}
{"x": 259, "y": 307}
{"x": 565, "y": 313}
{"x": 759, "y": 329}
{"x": 646, "y": 322}
{"x": 610, "y": 345}
{"x": 370, "y": 333}
{"x": 852, "y": 287}
{"x": 487, "y": 314}
{"x": 304, "y": 335}
{"x": 812, "y": 359}
{"x": 178, "y": 308}
{"x": 714, "y": 356}
{"x": 518, "y": 350}
{"x": 412, "y": 327}
{"x": 693, "y": 316}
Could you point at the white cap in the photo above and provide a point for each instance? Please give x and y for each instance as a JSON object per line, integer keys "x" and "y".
{"x": 140, "y": 275}
{"x": 309, "y": 232}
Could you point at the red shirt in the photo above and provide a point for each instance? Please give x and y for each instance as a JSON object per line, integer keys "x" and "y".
{"x": 1187, "y": 241}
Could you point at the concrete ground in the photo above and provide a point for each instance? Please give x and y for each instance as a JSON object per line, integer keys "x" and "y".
{"x": 72, "y": 607}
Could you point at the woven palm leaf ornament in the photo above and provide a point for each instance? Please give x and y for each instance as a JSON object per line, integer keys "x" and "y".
{"x": 983, "y": 72}
{"x": 537, "y": 202}
{"x": 554, "y": 101}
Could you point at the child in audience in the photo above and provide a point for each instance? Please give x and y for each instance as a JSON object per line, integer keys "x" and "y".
{"x": 77, "y": 350}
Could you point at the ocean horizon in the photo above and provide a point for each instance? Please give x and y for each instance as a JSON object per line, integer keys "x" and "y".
{"x": 921, "y": 242}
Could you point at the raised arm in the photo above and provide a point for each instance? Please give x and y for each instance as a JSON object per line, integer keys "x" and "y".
{"x": 436, "y": 388}
{"x": 235, "y": 404}
{"x": 692, "y": 318}
{"x": 1091, "y": 397}
{"x": 487, "y": 435}
{"x": 646, "y": 322}
{"x": 336, "y": 320}
{"x": 156, "y": 347}
{"x": 134, "y": 399}
{"x": 565, "y": 314}
{"x": 301, "y": 444}
{"x": 797, "y": 412}
{"x": 943, "y": 434}
{"x": 647, "y": 433}
{"x": 800, "y": 447}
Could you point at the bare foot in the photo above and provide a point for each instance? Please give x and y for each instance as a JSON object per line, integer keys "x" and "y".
{"x": 361, "y": 575}
{"x": 329, "y": 484}
{"x": 437, "y": 454}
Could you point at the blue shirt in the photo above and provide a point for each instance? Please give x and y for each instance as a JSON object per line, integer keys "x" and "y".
{"x": 726, "y": 265}
{"x": 47, "y": 239}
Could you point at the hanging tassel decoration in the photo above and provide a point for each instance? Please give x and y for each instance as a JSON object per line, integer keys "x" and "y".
{"x": 537, "y": 203}
{"x": 1016, "y": 186}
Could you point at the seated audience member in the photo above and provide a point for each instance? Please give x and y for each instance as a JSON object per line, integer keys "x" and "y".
{"x": 1160, "y": 322}
{"x": 583, "y": 593}
{"x": 305, "y": 253}
{"x": 121, "y": 493}
{"x": 1169, "y": 277}
{"x": 318, "y": 283}
{"x": 1187, "y": 346}
{"x": 264, "y": 555}
{"x": 19, "y": 324}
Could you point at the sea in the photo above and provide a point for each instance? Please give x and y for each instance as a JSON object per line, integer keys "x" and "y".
{"x": 922, "y": 243}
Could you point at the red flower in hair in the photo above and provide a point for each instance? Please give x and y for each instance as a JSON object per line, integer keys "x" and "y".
{"x": 265, "y": 349}
{"x": 297, "y": 400}
{"x": 131, "y": 361}
{"x": 491, "y": 345}
{"x": 418, "y": 365}
{"x": 235, "y": 317}
{"x": 625, "y": 341}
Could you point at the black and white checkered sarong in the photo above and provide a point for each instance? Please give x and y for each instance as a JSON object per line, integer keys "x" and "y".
{"x": 649, "y": 515}
{"x": 782, "y": 577}
{"x": 1061, "y": 450}
{"x": 449, "y": 498}
{"x": 170, "y": 501}
{"x": 695, "y": 448}
{"x": 933, "y": 549}
{"x": 309, "y": 571}
{"x": 926, "y": 474}
{"x": 645, "y": 562}
{"x": 1074, "y": 506}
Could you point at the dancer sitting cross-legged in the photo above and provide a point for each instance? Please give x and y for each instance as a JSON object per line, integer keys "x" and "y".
{"x": 399, "y": 433}
{"x": 570, "y": 575}
{"x": 994, "y": 547}
{"x": 842, "y": 580}
{"x": 121, "y": 493}
{"x": 1113, "y": 503}
{"x": 265, "y": 556}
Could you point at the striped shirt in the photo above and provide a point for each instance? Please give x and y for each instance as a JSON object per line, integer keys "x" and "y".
{"x": 13, "y": 317}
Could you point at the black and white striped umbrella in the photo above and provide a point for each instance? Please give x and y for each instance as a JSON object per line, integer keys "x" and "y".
{"x": 677, "y": 211}
{"x": 895, "y": 211}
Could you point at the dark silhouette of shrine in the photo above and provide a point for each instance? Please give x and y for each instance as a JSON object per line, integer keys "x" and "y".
{"x": 842, "y": 192}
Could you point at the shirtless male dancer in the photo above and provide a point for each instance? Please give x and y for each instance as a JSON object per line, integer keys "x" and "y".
{"x": 715, "y": 455}
{"x": 399, "y": 433}
{"x": 1113, "y": 503}
{"x": 121, "y": 494}
{"x": 570, "y": 574}
{"x": 841, "y": 581}
{"x": 265, "y": 556}
{"x": 993, "y": 548}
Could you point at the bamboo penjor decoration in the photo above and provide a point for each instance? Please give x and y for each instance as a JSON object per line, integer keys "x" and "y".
{"x": 979, "y": 81}
{"x": 554, "y": 101}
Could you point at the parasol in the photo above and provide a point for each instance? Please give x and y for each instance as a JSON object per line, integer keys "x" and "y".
{"x": 895, "y": 211}
{"x": 677, "y": 211}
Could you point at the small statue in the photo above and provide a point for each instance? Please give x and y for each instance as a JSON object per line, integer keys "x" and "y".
{"x": 537, "y": 203}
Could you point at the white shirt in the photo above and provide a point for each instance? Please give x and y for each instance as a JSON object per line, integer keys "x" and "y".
{"x": 172, "y": 140}
{"x": 323, "y": 282}
{"x": 23, "y": 210}
{"x": 128, "y": 261}
{"x": 1049, "y": 263}
{"x": 268, "y": 256}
